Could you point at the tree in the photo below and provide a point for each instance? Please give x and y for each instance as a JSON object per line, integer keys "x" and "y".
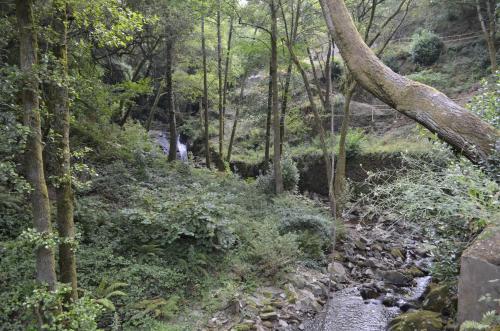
{"x": 487, "y": 15}
{"x": 278, "y": 177}
{"x": 350, "y": 84}
{"x": 45, "y": 262}
{"x": 205, "y": 91}
{"x": 60, "y": 110}
{"x": 172, "y": 151}
{"x": 464, "y": 131}
{"x": 219, "y": 79}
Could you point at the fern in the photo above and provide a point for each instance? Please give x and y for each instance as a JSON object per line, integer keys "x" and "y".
{"x": 490, "y": 319}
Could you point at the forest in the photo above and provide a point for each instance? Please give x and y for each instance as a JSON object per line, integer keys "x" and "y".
{"x": 234, "y": 165}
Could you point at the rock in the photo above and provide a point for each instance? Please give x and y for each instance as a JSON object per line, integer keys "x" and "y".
{"x": 360, "y": 245}
{"x": 268, "y": 324}
{"x": 390, "y": 300}
{"x": 479, "y": 275}
{"x": 244, "y": 326}
{"x": 283, "y": 323}
{"x": 422, "y": 320}
{"x": 298, "y": 281}
{"x": 439, "y": 300}
{"x": 395, "y": 278}
{"x": 369, "y": 273}
{"x": 372, "y": 263}
{"x": 369, "y": 292}
{"x": 337, "y": 270}
{"x": 414, "y": 272}
{"x": 397, "y": 252}
{"x": 291, "y": 294}
{"x": 270, "y": 316}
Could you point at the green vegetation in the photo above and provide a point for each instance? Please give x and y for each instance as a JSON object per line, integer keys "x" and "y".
{"x": 120, "y": 208}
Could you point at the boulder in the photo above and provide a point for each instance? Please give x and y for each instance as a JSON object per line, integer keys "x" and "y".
{"x": 395, "y": 278}
{"x": 337, "y": 271}
{"x": 422, "y": 320}
{"x": 479, "y": 276}
{"x": 439, "y": 299}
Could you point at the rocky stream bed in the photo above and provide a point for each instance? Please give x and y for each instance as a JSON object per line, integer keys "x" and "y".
{"x": 378, "y": 279}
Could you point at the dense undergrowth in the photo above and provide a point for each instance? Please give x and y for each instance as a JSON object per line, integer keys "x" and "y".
{"x": 155, "y": 237}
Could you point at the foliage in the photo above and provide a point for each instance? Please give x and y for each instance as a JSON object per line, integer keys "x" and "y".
{"x": 81, "y": 315}
{"x": 446, "y": 204}
{"x": 290, "y": 177}
{"x": 426, "y": 48}
{"x": 489, "y": 321}
{"x": 487, "y": 103}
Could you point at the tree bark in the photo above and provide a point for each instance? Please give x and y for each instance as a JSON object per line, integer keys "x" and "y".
{"x": 219, "y": 78}
{"x": 152, "y": 111}
{"x": 226, "y": 67}
{"x": 268, "y": 121}
{"x": 489, "y": 30}
{"x": 339, "y": 183}
{"x": 172, "y": 151}
{"x": 45, "y": 262}
{"x": 205, "y": 91}
{"x": 64, "y": 191}
{"x": 278, "y": 176}
{"x": 236, "y": 117}
{"x": 463, "y": 130}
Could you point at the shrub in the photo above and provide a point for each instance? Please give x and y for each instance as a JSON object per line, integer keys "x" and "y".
{"x": 426, "y": 48}
{"x": 446, "y": 204}
{"x": 290, "y": 175}
{"x": 354, "y": 142}
{"x": 270, "y": 252}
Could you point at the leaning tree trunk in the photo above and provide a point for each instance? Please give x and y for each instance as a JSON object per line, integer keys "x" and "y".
{"x": 64, "y": 192}
{"x": 278, "y": 176}
{"x": 45, "y": 262}
{"x": 172, "y": 151}
{"x": 152, "y": 111}
{"x": 205, "y": 91}
{"x": 462, "y": 129}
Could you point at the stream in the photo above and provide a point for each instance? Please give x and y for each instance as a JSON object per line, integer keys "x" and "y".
{"x": 384, "y": 272}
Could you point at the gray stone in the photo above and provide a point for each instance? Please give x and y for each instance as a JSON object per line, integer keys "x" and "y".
{"x": 479, "y": 276}
{"x": 395, "y": 278}
{"x": 337, "y": 270}
{"x": 270, "y": 316}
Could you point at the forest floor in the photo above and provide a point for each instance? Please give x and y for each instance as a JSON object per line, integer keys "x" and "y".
{"x": 380, "y": 269}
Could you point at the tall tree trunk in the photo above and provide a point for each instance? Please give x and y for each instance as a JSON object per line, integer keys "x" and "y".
{"x": 236, "y": 117}
{"x": 219, "y": 78}
{"x": 316, "y": 79}
{"x": 226, "y": 67}
{"x": 45, "y": 262}
{"x": 268, "y": 120}
{"x": 278, "y": 176}
{"x": 489, "y": 30}
{"x": 64, "y": 192}
{"x": 462, "y": 129}
{"x": 339, "y": 183}
{"x": 152, "y": 111}
{"x": 205, "y": 91}
{"x": 284, "y": 103}
{"x": 172, "y": 151}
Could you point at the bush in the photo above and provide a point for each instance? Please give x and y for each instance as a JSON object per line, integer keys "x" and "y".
{"x": 270, "y": 252}
{"x": 290, "y": 174}
{"x": 426, "y": 48}
{"x": 446, "y": 204}
{"x": 354, "y": 142}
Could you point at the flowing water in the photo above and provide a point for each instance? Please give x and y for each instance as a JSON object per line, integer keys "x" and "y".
{"x": 162, "y": 140}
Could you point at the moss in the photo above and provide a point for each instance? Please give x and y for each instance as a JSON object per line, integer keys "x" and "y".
{"x": 439, "y": 299}
{"x": 422, "y": 320}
